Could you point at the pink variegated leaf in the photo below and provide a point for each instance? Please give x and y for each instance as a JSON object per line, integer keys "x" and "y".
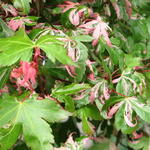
{"x": 71, "y": 70}
{"x": 128, "y": 122}
{"x": 68, "y": 5}
{"x": 89, "y": 64}
{"x": 88, "y": 24}
{"x": 106, "y": 92}
{"x": 81, "y": 12}
{"x": 134, "y": 142}
{"x": 9, "y": 9}
{"x": 92, "y": 96}
{"x": 96, "y": 34}
{"x": 136, "y": 135}
{"x": 94, "y": 92}
{"x": 74, "y": 17}
{"x": 79, "y": 97}
{"x": 128, "y": 116}
{"x": 128, "y": 6}
{"x": 98, "y": 29}
{"x": 15, "y": 24}
{"x": 91, "y": 76}
{"x": 114, "y": 109}
{"x": 117, "y": 9}
{"x": 132, "y": 81}
{"x": 116, "y": 80}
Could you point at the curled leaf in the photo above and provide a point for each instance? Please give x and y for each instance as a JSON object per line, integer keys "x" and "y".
{"x": 114, "y": 109}
{"x": 128, "y": 116}
{"x": 74, "y": 17}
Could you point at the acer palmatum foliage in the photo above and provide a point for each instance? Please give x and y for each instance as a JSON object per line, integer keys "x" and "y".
{"x": 98, "y": 28}
{"x": 83, "y": 64}
{"x": 25, "y": 75}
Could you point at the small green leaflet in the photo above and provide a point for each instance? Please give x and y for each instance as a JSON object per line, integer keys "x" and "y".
{"x": 23, "y": 5}
{"x": 87, "y": 127}
{"x": 4, "y": 76}
{"x": 89, "y": 111}
{"x": 20, "y": 47}
{"x": 70, "y": 89}
{"x": 83, "y": 38}
{"x": 31, "y": 116}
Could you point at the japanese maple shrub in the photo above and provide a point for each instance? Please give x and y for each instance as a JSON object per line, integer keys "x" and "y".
{"x": 74, "y": 75}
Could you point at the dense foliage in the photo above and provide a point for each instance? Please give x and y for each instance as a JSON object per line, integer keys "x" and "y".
{"x": 74, "y": 75}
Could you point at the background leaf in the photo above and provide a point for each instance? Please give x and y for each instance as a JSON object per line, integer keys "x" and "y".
{"x": 22, "y": 5}
{"x": 5, "y": 31}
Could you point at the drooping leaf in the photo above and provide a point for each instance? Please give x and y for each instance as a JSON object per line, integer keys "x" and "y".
{"x": 31, "y": 114}
{"x": 18, "y": 47}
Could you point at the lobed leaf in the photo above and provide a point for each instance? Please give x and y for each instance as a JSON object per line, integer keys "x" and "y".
{"x": 31, "y": 114}
{"x": 18, "y": 47}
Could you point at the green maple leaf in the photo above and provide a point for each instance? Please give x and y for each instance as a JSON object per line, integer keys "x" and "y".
{"x": 29, "y": 117}
{"x": 23, "y": 5}
{"x": 20, "y": 47}
{"x": 15, "y": 48}
{"x": 54, "y": 49}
